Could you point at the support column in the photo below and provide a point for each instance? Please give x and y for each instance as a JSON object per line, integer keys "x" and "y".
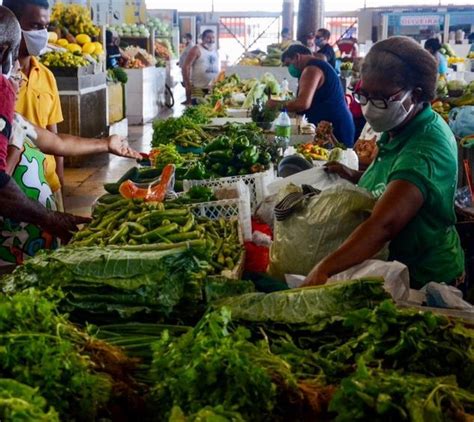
{"x": 288, "y": 16}
{"x": 310, "y": 17}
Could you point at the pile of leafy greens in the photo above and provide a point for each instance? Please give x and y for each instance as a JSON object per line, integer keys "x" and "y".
{"x": 107, "y": 285}
{"x": 212, "y": 366}
{"x": 21, "y": 402}
{"x": 378, "y": 395}
{"x": 42, "y": 350}
{"x": 285, "y": 354}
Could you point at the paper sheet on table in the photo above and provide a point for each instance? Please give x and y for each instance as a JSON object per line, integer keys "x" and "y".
{"x": 315, "y": 177}
{"x": 395, "y": 274}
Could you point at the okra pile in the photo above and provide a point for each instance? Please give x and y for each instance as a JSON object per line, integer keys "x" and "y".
{"x": 149, "y": 226}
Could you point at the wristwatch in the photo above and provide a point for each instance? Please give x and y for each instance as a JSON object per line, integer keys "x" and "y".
{"x": 5, "y": 127}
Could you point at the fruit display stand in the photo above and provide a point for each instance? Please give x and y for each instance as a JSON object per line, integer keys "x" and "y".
{"x": 145, "y": 91}
{"x": 249, "y": 72}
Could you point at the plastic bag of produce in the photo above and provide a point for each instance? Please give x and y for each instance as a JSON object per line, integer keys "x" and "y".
{"x": 318, "y": 228}
{"x": 461, "y": 121}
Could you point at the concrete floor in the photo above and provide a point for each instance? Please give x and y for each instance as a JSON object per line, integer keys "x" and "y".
{"x": 83, "y": 184}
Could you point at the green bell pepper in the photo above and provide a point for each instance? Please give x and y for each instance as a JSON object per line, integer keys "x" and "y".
{"x": 249, "y": 156}
{"x": 219, "y": 144}
{"x": 222, "y": 156}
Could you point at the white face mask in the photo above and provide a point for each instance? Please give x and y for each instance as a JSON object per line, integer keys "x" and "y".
{"x": 36, "y": 41}
{"x": 384, "y": 120}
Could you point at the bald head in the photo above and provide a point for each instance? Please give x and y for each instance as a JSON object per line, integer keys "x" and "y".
{"x": 10, "y": 38}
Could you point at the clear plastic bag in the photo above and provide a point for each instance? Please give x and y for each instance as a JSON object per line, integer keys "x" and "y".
{"x": 312, "y": 233}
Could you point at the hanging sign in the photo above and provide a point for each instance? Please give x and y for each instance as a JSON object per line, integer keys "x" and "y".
{"x": 420, "y": 20}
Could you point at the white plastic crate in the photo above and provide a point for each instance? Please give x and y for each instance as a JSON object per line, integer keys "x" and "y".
{"x": 229, "y": 208}
{"x": 257, "y": 184}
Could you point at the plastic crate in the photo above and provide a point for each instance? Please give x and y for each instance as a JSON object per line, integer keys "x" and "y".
{"x": 237, "y": 207}
{"x": 257, "y": 184}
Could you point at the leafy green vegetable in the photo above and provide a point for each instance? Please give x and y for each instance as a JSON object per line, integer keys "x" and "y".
{"x": 36, "y": 349}
{"x": 100, "y": 285}
{"x": 19, "y": 402}
{"x": 202, "y": 114}
{"x": 377, "y": 395}
{"x": 207, "y": 414}
{"x": 212, "y": 366}
{"x": 166, "y": 154}
{"x": 307, "y": 305}
{"x": 181, "y": 131}
{"x": 104, "y": 285}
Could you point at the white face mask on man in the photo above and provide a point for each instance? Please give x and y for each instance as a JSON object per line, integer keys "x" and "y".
{"x": 386, "y": 119}
{"x": 36, "y": 41}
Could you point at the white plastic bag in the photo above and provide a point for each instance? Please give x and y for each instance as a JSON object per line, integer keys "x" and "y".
{"x": 315, "y": 177}
{"x": 395, "y": 274}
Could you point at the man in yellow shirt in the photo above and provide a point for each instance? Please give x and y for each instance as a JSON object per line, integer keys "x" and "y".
{"x": 38, "y": 100}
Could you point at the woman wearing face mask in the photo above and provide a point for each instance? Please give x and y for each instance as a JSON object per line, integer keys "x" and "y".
{"x": 38, "y": 100}
{"x": 201, "y": 67}
{"x": 414, "y": 175}
{"x": 320, "y": 95}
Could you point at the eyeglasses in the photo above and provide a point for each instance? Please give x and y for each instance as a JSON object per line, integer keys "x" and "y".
{"x": 381, "y": 103}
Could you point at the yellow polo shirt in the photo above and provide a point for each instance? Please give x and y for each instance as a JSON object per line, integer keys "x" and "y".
{"x": 38, "y": 102}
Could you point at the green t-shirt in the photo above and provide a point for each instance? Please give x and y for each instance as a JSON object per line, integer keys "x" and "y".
{"x": 424, "y": 154}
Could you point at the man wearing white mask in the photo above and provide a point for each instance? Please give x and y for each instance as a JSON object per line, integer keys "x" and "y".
{"x": 38, "y": 100}
{"x": 201, "y": 67}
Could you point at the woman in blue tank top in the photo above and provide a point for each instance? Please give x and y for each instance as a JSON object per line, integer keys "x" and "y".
{"x": 320, "y": 94}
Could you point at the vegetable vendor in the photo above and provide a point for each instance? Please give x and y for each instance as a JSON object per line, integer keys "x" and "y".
{"x": 320, "y": 94}
{"x": 414, "y": 175}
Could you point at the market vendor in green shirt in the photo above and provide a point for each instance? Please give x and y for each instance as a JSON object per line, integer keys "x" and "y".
{"x": 414, "y": 175}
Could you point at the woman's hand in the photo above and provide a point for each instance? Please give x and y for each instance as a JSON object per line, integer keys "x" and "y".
{"x": 333, "y": 167}
{"x": 273, "y": 104}
{"x": 118, "y": 145}
{"x": 63, "y": 225}
{"x": 316, "y": 277}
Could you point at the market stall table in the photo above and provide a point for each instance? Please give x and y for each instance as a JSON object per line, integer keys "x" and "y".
{"x": 144, "y": 93}
{"x": 83, "y": 94}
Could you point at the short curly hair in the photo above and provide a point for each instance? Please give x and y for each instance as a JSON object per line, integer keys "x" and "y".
{"x": 404, "y": 62}
{"x": 10, "y": 33}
